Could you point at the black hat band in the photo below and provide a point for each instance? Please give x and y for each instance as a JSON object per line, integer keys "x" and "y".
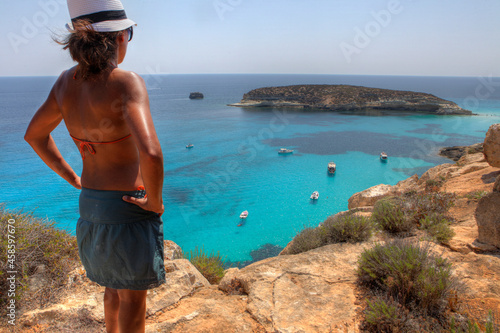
{"x": 107, "y": 15}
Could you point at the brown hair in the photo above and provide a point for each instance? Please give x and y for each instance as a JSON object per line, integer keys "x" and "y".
{"x": 92, "y": 50}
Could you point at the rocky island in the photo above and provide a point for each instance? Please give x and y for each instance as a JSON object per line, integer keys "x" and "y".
{"x": 348, "y": 98}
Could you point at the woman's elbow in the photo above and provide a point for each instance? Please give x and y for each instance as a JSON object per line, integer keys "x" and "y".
{"x": 28, "y": 137}
{"x": 153, "y": 156}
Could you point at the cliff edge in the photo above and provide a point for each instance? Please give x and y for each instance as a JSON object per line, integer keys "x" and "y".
{"x": 348, "y": 98}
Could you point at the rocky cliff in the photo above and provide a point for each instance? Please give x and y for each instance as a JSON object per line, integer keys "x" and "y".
{"x": 348, "y": 98}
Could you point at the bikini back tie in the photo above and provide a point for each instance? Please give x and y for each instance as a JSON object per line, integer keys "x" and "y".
{"x": 88, "y": 144}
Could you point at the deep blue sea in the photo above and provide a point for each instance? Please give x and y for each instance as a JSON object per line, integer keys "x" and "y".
{"x": 234, "y": 165}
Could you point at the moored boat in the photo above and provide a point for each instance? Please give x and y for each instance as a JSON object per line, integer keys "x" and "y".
{"x": 244, "y": 214}
{"x": 189, "y": 146}
{"x": 332, "y": 167}
{"x": 284, "y": 151}
{"x": 315, "y": 195}
{"x": 383, "y": 156}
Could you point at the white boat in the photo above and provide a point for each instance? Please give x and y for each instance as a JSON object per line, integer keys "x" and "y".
{"x": 244, "y": 214}
{"x": 315, "y": 195}
{"x": 284, "y": 151}
{"x": 383, "y": 156}
{"x": 190, "y": 145}
{"x": 332, "y": 167}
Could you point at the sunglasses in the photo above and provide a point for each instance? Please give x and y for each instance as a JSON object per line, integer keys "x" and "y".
{"x": 130, "y": 33}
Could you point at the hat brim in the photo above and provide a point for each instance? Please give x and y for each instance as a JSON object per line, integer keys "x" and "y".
{"x": 107, "y": 26}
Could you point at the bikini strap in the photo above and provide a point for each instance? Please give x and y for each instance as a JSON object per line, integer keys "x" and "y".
{"x": 88, "y": 144}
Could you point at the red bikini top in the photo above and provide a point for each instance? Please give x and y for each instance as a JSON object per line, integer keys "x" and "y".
{"x": 88, "y": 144}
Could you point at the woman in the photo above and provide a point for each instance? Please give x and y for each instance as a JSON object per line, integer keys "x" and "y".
{"x": 106, "y": 111}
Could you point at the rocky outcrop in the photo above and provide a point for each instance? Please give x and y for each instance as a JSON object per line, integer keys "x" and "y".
{"x": 308, "y": 292}
{"x": 370, "y": 196}
{"x": 488, "y": 219}
{"x": 347, "y": 98}
{"x": 492, "y": 145}
{"x": 496, "y": 186}
{"x": 456, "y": 152}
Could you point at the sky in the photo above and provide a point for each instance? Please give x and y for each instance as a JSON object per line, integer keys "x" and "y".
{"x": 354, "y": 37}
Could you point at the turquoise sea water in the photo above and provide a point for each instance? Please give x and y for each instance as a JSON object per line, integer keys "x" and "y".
{"x": 234, "y": 165}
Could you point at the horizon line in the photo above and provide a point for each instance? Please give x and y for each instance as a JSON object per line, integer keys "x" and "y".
{"x": 396, "y": 75}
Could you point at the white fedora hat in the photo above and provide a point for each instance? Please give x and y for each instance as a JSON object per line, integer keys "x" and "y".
{"x": 105, "y": 15}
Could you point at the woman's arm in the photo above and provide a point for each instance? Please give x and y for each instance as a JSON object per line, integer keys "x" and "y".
{"x": 38, "y": 136}
{"x": 138, "y": 118}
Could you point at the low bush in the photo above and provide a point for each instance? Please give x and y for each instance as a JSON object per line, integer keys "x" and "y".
{"x": 418, "y": 205}
{"x": 433, "y": 185}
{"x": 408, "y": 273}
{"x": 389, "y": 215}
{"x": 385, "y": 315}
{"x": 211, "y": 266}
{"x": 437, "y": 227}
{"x": 307, "y": 239}
{"x": 347, "y": 228}
{"x": 29, "y": 246}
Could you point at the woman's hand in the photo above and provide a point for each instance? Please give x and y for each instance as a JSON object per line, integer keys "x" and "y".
{"x": 76, "y": 182}
{"x": 145, "y": 204}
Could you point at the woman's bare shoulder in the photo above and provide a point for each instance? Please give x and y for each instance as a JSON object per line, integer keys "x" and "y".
{"x": 127, "y": 78}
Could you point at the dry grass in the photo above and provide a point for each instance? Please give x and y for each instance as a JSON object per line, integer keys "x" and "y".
{"x": 39, "y": 253}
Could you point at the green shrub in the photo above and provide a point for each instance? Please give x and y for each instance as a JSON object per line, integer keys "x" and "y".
{"x": 347, "y": 228}
{"x": 433, "y": 185}
{"x": 409, "y": 273}
{"x": 35, "y": 246}
{"x": 307, "y": 239}
{"x": 211, "y": 266}
{"x": 389, "y": 215}
{"x": 418, "y": 204}
{"x": 438, "y": 227}
{"x": 385, "y": 315}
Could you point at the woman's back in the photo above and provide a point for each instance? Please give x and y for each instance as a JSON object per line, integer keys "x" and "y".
{"x": 95, "y": 114}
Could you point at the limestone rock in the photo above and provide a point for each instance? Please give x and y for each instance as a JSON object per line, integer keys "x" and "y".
{"x": 471, "y": 158}
{"x": 182, "y": 279}
{"x": 469, "y": 168}
{"x": 207, "y": 310}
{"x": 438, "y": 172}
{"x": 307, "y": 292}
{"x": 491, "y": 146}
{"x": 496, "y": 186}
{"x": 457, "y": 152}
{"x": 407, "y": 184}
{"x": 370, "y": 196}
{"x": 171, "y": 250}
{"x": 488, "y": 219}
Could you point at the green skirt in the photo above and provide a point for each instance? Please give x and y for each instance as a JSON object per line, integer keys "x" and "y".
{"x": 120, "y": 244}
